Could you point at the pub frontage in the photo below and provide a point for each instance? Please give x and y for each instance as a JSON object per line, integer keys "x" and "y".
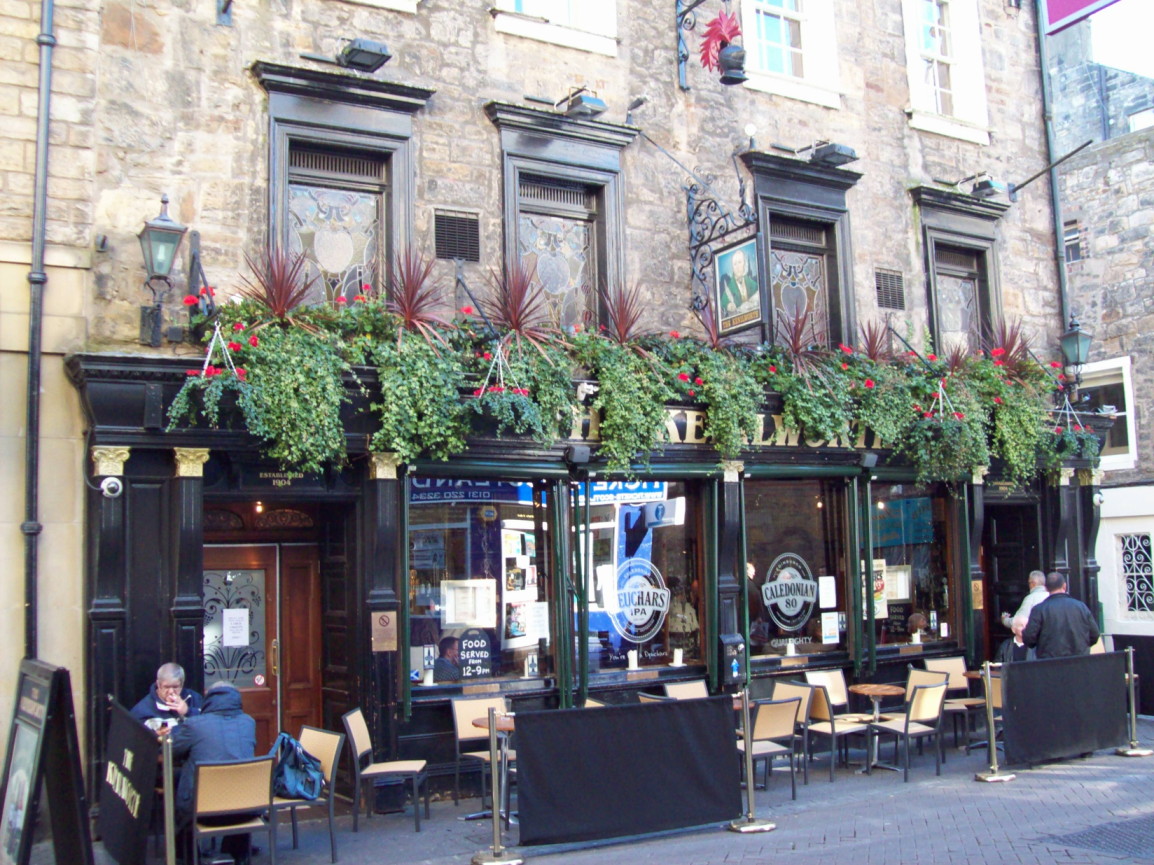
{"x": 319, "y": 593}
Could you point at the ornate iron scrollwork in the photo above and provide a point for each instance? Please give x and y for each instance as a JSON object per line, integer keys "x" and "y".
{"x": 709, "y": 223}
{"x": 686, "y": 21}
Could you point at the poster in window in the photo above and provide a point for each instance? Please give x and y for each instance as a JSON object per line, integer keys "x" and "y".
{"x": 898, "y": 583}
{"x": 518, "y": 626}
{"x": 878, "y": 586}
{"x": 737, "y": 287}
{"x": 468, "y": 604}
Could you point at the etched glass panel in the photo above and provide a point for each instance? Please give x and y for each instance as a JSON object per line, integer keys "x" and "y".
{"x": 1137, "y": 581}
{"x": 558, "y": 251}
{"x": 958, "y": 313}
{"x": 338, "y": 231}
{"x": 234, "y": 626}
{"x": 798, "y": 288}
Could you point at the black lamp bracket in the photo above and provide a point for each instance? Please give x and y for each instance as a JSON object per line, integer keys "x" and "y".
{"x": 686, "y": 21}
{"x": 197, "y": 279}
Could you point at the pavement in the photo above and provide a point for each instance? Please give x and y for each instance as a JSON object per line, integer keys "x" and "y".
{"x": 1092, "y": 810}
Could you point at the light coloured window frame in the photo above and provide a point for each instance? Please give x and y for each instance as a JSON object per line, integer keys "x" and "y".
{"x": 1111, "y": 372}
{"x": 586, "y": 25}
{"x": 970, "y": 119}
{"x": 820, "y": 82}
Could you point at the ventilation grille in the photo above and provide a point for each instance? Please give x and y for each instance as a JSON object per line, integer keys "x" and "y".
{"x": 891, "y": 291}
{"x": 958, "y": 258}
{"x": 797, "y": 232}
{"x": 540, "y": 190}
{"x": 458, "y": 235}
{"x": 349, "y": 166}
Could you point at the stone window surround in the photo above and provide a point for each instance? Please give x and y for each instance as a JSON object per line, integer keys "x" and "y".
{"x": 1112, "y": 371}
{"x": 596, "y": 33}
{"x": 409, "y": 6}
{"x": 959, "y": 220}
{"x": 970, "y": 120}
{"x": 797, "y": 188}
{"x": 820, "y": 83}
{"x": 550, "y": 145}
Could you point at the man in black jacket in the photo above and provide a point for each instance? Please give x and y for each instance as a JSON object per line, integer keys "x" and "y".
{"x": 167, "y": 698}
{"x": 1060, "y": 626}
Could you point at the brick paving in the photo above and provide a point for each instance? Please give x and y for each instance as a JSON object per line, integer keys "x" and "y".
{"x": 1070, "y": 812}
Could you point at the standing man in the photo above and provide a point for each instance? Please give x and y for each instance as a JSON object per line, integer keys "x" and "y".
{"x": 1037, "y": 594}
{"x": 1060, "y": 626}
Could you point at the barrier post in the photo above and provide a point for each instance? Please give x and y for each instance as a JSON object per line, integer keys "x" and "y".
{"x": 994, "y": 774}
{"x": 749, "y": 823}
{"x": 169, "y": 799}
{"x": 1134, "y": 750}
{"x": 497, "y": 854}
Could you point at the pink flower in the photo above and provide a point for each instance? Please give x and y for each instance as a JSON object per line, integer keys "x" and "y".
{"x": 932, "y": 356}
{"x": 466, "y": 310}
{"x": 237, "y": 326}
{"x": 869, "y": 383}
{"x": 234, "y": 346}
{"x": 675, "y": 334}
{"x": 191, "y": 300}
{"x": 684, "y": 376}
{"x": 848, "y": 349}
{"x": 997, "y": 352}
{"x": 342, "y": 299}
{"x": 998, "y": 400}
{"x": 253, "y": 341}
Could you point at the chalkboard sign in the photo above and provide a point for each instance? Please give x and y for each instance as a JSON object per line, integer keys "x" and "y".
{"x": 126, "y": 790}
{"x": 476, "y": 647}
{"x": 42, "y": 747}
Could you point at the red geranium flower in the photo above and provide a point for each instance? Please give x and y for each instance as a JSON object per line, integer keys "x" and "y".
{"x": 927, "y": 414}
{"x": 869, "y": 383}
{"x": 684, "y": 376}
{"x": 698, "y": 381}
{"x": 253, "y": 341}
{"x": 845, "y": 366}
{"x": 487, "y": 355}
{"x": 477, "y": 392}
{"x": 342, "y": 299}
{"x": 772, "y": 368}
{"x": 1055, "y": 365}
{"x": 1077, "y": 428}
{"x": 192, "y": 372}
{"x": 1061, "y": 376}
{"x": 241, "y": 372}
{"x": 676, "y": 334}
{"x": 366, "y": 288}
{"x": 932, "y": 356}
{"x": 999, "y": 363}
{"x": 848, "y": 349}
{"x": 959, "y": 415}
{"x": 237, "y": 326}
{"x": 466, "y": 310}
{"x": 997, "y": 352}
{"x": 692, "y": 392}
{"x": 917, "y": 408}
{"x": 359, "y": 297}
{"x": 1058, "y": 430}
{"x": 998, "y": 400}
{"x": 191, "y": 300}
{"x": 234, "y": 346}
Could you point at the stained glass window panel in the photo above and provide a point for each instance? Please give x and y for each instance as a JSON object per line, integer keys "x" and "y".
{"x": 798, "y": 286}
{"x": 958, "y": 313}
{"x": 338, "y": 232}
{"x": 558, "y": 250}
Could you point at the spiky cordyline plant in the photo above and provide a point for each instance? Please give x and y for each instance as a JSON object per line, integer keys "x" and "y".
{"x": 801, "y": 341}
{"x": 279, "y": 283}
{"x": 415, "y": 297}
{"x": 1010, "y": 345}
{"x": 708, "y": 318}
{"x": 875, "y": 342}
{"x": 519, "y": 307}
{"x": 624, "y": 309}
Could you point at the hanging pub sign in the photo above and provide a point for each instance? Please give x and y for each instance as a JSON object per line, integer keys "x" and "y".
{"x": 43, "y": 748}
{"x": 737, "y": 289}
{"x": 126, "y": 790}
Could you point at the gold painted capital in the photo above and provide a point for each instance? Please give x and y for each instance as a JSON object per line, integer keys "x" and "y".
{"x": 1064, "y": 477}
{"x": 383, "y": 466}
{"x": 109, "y": 461}
{"x": 979, "y": 476}
{"x": 1090, "y": 477}
{"x": 731, "y": 470}
{"x": 190, "y": 462}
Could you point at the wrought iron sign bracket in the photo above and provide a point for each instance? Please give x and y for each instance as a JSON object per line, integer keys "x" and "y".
{"x": 686, "y": 20}
{"x": 709, "y": 225}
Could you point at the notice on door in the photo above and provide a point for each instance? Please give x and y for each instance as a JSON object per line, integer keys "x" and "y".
{"x": 235, "y": 627}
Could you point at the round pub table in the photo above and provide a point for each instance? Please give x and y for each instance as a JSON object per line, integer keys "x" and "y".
{"x": 875, "y": 691}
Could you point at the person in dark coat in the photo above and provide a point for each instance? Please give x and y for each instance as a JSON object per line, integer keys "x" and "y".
{"x": 1060, "y": 626}
{"x": 167, "y": 698}
{"x": 222, "y": 731}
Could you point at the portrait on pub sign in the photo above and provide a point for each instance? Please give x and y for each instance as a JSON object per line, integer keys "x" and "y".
{"x": 737, "y": 288}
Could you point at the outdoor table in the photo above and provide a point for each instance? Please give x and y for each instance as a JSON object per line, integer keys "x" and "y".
{"x": 875, "y": 691}
{"x": 506, "y": 726}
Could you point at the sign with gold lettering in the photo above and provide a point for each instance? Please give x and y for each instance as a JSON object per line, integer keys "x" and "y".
{"x": 126, "y": 789}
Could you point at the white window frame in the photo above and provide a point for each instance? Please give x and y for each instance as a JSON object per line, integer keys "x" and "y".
{"x": 821, "y": 81}
{"x": 970, "y": 120}
{"x": 1125, "y": 511}
{"x": 1111, "y": 372}
{"x": 1140, "y": 120}
{"x": 587, "y": 25}
{"x": 409, "y": 6}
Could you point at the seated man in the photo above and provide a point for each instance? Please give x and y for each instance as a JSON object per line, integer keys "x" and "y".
{"x": 167, "y": 698}
{"x": 1012, "y": 648}
{"x": 447, "y": 667}
{"x": 221, "y": 731}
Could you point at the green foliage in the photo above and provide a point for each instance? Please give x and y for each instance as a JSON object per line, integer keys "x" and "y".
{"x": 945, "y": 448}
{"x": 421, "y": 411}
{"x": 816, "y": 398}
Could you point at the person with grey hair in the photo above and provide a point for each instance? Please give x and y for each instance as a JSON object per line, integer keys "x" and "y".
{"x": 1037, "y": 594}
{"x": 1060, "y": 626}
{"x": 1013, "y": 648}
{"x": 167, "y": 698}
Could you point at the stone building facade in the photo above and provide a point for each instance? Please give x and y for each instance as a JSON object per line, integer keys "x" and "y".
{"x": 220, "y": 111}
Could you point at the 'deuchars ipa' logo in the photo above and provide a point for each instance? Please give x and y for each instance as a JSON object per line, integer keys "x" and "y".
{"x": 789, "y": 592}
{"x": 641, "y": 601}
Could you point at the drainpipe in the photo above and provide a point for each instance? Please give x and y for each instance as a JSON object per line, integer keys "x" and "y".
{"x": 1051, "y": 155}
{"x": 37, "y": 279}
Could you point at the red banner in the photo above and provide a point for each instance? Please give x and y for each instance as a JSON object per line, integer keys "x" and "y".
{"x": 1060, "y": 14}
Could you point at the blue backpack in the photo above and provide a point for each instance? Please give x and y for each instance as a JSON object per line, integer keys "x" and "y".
{"x": 298, "y": 774}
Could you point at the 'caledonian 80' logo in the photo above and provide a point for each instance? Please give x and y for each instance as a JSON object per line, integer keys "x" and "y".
{"x": 789, "y": 592}
{"x": 640, "y": 602}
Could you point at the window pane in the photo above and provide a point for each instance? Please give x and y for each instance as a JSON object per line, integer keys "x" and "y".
{"x": 1113, "y": 397}
{"x": 796, "y": 578}
{"x": 477, "y": 577}
{"x": 642, "y": 585}
{"x": 778, "y": 41}
{"x": 337, "y": 230}
{"x": 1137, "y": 572}
{"x": 234, "y": 626}
{"x": 798, "y": 288}
{"x": 559, "y": 251}
{"x": 958, "y": 313}
{"x": 911, "y": 564}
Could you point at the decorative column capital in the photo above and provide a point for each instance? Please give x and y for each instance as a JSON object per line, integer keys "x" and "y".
{"x": 1063, "y": 477}
{"x": 979, "y": 476}
{"x": 1090, "y": 477}
{"x": 383, "y": 466}
{"x": 731, "y": 470}
{"x": 109, "y": 461}
{"x": 190, "y": 462}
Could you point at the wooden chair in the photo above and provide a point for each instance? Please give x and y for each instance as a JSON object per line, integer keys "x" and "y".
{"x": 326, "y": 747}
{"x": 237, "y": 789}
{"x": 465, "y": 711}
{"x": 823, "y": 722}
{"x": 961, "y": 706}
{"x": 922, "y": 719}
{"x": 694, "y": 690}
{"x": 366, "y": 771}
{"x": 836, "y": 690}
{"x": 803, "y": 692}
{"x": 774, "y": 735}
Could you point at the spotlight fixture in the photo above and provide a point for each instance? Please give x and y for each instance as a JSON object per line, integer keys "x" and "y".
{"x": 832, "y": 155}
{"x": 986, "y": 187}
{"x": 633, "y": 106}
{"x": 364, "y": 55}
{"x": 582, "y": 102}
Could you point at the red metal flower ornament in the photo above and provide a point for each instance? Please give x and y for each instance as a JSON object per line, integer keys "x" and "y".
{"x": 719, "y": 32}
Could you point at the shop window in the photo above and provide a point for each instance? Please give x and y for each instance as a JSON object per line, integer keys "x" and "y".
{"x": 587, "y": 25}
{"x": 797, "y": 574}
{"x": 791, "y": 49}
{"x": 479, "y": 594}
{"x": 944, "y": 68}
{"x": 1107, "y": 388}
{"x": 1136, "y": 577}
{"x": 639, "y": 556}
{"x": 910, "y": 574}
{"x": 563, "y": 206}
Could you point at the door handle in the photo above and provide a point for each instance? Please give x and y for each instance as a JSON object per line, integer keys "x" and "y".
{"x": 275, "y": 652}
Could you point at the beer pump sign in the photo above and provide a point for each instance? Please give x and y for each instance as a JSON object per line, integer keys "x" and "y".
{"x": 789, "y": 592}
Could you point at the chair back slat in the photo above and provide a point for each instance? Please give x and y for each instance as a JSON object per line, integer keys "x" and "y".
{"x": 653, "y": 698}
{"x": 917, "y": 677}
{"x": 791, "y": 690}
{"x": 954, "y": 668}
{"x": 325, "y": 746}
{"x": 467, "y": 709}
{"x": 926, "y": 703}
{"x": 359, "y": 736}
{"x": 235, "y": 786}
{"x": 694, "y": 690}
{"x": 819, "y": 707}
{"x": 834, "y": 683}
{"x": 775, "y": 719}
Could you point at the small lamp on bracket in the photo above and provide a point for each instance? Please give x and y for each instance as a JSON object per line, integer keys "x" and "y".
{"x": 159, "y": 241}
{"x": 1075, "y": 344}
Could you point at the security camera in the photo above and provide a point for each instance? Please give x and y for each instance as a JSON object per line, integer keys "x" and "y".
{"x": 112, "y": 488}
